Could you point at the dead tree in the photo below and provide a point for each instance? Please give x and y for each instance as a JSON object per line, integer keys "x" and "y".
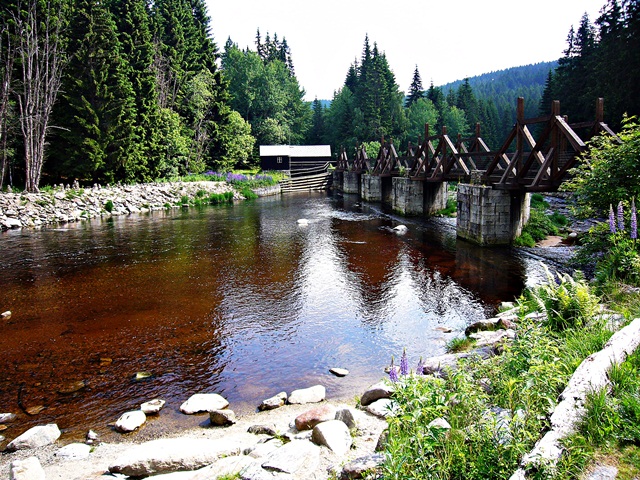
{"x": 7, "y": 57}
{"x": 41, "y": 60}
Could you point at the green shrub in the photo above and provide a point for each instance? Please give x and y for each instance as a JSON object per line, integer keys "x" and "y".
{"x": 538, "y": 202}
{"x": 524, "y": 240}
{"x": 248, "y": 193}
{"x": 108, "y": 206}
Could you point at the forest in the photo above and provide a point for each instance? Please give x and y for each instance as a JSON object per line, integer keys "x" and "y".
{"x": 133, "y": 91}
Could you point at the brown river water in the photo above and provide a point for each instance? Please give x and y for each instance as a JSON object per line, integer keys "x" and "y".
{"x": 239, "y": 300}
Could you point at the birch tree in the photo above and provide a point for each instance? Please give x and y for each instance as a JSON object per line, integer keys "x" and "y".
{"x": 7, "y": 57}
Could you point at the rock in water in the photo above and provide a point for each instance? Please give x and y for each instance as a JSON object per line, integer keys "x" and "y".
{"x": 5, "y": 315}
{"x": 339, "y": 372}
{"x": 203, "y": 402}
{"x": 400, "y": 229}
{"x": 276, "y": 401}
{"x": 35, "y": 437}
{"x": 152, "y": 407}
{"x": 303, "y": 221}
{"x": 222, "y": 418}
{"x": 308, "y": 395}
{"x": 130, "y": 421}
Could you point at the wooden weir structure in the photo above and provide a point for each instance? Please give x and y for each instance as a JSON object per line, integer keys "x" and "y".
{"x": 523, "y": 163}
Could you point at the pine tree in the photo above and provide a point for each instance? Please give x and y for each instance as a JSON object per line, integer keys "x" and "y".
{"x": 317, "y": 130}
{"x": 415, "y": 89}
{"x": 97, "y": 140}
{"x": 466, "y": 100}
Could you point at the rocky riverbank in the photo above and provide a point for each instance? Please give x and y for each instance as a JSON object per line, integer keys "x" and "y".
{"x": 72, "y": 204}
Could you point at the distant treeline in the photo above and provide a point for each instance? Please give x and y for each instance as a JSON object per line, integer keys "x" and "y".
{"x": 132, "y": 90}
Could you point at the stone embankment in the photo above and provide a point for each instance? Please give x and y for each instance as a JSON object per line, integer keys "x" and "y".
{"x": 67, "y": 204}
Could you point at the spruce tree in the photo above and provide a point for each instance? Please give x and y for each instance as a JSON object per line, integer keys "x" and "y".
{"x": 415, "y": 89}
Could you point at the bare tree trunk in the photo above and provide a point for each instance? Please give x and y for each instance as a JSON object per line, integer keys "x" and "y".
{"x": 42, "y": 60}
{"x": 6, "y": 67}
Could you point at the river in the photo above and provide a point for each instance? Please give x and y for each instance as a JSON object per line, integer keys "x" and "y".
{"x": 239, "y": 300}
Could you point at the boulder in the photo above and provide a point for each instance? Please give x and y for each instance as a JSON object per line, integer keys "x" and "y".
{"x": 383, "y": 439}
{"x": 74, "y": 451}
{"x": 35, "y": 437}
{"x": 262, "y": 430}
{"x": 152, "y": 407}
{"x": 441, "y": 364}
{"x": 293, "y": 457}
{"x": 10, "y": 223}
{"x": 130, "y": 421}
{"x": 313, "y": 394}
{"x": 311, "y": 418}
{"x": 484, "y": 339}
{"x": 225, "y": 467}
{"x": 383, "y": 408}
{"x": 339, "y": 372}
{"x": 203, "y": 402}
{"x": 274, "y": 402}
{"x": 376, "y": 392}
{"x": 334, "y": 435}
{"x": 264, "y": 449}
{"x": 482, "y": 325}
{"x": 8, "y": 417}
{"x": 27, "y": 469}
{"x": 222, "y": 418}
{"x": 362, "y": 466}
{"x": 345, "y": 415}
{"x": 172, "y": 455}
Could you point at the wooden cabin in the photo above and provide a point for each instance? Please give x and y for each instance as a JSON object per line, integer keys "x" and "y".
{"x": 294, "y": 157}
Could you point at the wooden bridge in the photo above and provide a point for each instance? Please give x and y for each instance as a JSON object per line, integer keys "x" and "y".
{"x": 522, "y": 163}
{"x": 493, "y": 186}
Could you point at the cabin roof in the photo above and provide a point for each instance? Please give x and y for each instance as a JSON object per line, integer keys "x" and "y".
{"x": 295, "y": 150}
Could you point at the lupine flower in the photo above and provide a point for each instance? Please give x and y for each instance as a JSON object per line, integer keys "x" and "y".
{"x": 620, "y": 217}
{"x": 634, "y": 220}
{"x": 393, "y": 373}
{"x": 404, "y": 363}
{"x": 612, "y": 220}
{"x": 420, "y": 367}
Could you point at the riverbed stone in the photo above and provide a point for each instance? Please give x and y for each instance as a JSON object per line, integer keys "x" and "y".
{"x": 27, "y": 469}
{"x": 8, "y": 417}
{"x": 222, "y": 418}
{"x": 130, "y": 421}
{"x": 152, "y": 407}
{"x": 172, "y": 455}
{"x": 376, "y": 392}
{"x": 293, "y": 457}
{"x": 309, "y": 419}
{"x": 334, "y": 435}
{"x": 263, "y": 430}
{"x": 339, "y": 372}
{"x": 274, "y": 402}
{"x": 362, "y": 466}
{"x": 74, "y": 451}
{"x": 488, "y": 338}
{"x": 5, "y": 315}
{"x": 346, "y": 416}
{"x": 264, "y": 449}
{"x": 313, "y": 394}
{"x": 383, "y": 408}
{"x": 35, "y": 437}
{"x": 227, "y": 466}
{"x": 203, "y": 402}
{"x": 482, "y": 325}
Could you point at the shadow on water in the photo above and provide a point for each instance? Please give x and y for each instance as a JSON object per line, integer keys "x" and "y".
{"x": 240, "y": 300}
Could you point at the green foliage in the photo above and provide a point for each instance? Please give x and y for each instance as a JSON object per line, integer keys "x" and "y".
{"x": 538, "y": 201}
{"x": 620, "y": 262}
{"x": 610, "y": 171}
{"x": 248, "y": 194}
{"x": 524, "y": 240}
{"x": 452, "y": 208}
{"x": 568, "y": 301}
{"x": 460, "y": 344}
{"x": 372, "y": 149}
{"x": 108, "y": 206}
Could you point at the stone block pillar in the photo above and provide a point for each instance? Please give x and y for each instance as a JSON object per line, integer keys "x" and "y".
{"x": 408, "y": 196}
{"x": 351, "y": 182}
{"x": 371, "y": 188}
{"x": 338, "y": 177}
{"x": 435, "y": 197}
{"x": 490, "y": 217}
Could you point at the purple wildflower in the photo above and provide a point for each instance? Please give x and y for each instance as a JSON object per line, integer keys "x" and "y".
{"x": 634, "y": 220}
{"x": 393, "y": 373}
{"x": 620, "y": 218}
{"x": 612, "y": 220}
{"x": 420, "y": 367}
{"x": 404, "y": 363}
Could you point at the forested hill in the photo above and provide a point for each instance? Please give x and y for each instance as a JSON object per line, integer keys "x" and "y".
{"x": 503, "y": 87}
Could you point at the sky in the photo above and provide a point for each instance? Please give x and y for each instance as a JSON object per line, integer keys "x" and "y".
{"x": 447, "y": 39}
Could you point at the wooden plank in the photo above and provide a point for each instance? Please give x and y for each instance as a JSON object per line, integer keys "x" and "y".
{"x": 574, "y": 139}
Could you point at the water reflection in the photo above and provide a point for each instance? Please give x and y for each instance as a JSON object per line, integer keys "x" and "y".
{"x": 240, "y": 300}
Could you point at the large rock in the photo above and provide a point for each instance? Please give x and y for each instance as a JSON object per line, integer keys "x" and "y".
{"x": 222, "y": 418}
{"x": 334, "y": 435}
{"x": 441, "y": 364}
{"x": 152, "y": 407}
{"x": 293, "y": 457}
{"x": 262, "y": 450}
{"x": 8, "y": 417}
{"x": 311, "y": 418}
{"x": 27, "y": 469}
{"x": 488, "y": 338}
{"x": 203, "y": 402}
{"x": 346, "y": 416}
{"x": 376, "y": 392}
{"x": 483, "y": 326}
{"x": 276, "y": 401}
{"x": 130, "y": 421}
{"x": 308, "y": 395}
{"x": 172, "y": 455}
{"x": 225, "y": 467}
{"x": 382, "y": 408}
{"x": 362, "y": 466}
{"x": 74, "y": 451}
{"x": 35, "y": 437}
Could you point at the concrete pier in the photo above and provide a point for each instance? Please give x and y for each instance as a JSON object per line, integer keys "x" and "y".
{"x": 371, "y": 188}
{"x": 351, "y": 182}
{"x": 415, "y": 197}
{"x": 338, "y": 177}
{"x": 490, "y": 217}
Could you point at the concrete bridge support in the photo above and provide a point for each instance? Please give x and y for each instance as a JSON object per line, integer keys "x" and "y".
{"x": 415, "y": 197}
{"x": 491, "y": 217}
{"x": 371, "y": 188}
{"x": 351, "y": 182}
{"x": 338, "y": 177}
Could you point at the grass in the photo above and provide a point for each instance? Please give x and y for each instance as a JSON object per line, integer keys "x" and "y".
{"x": 497, "y": 408}
{"x": 540, "y": 225}
{"x": 460, "y": 344}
